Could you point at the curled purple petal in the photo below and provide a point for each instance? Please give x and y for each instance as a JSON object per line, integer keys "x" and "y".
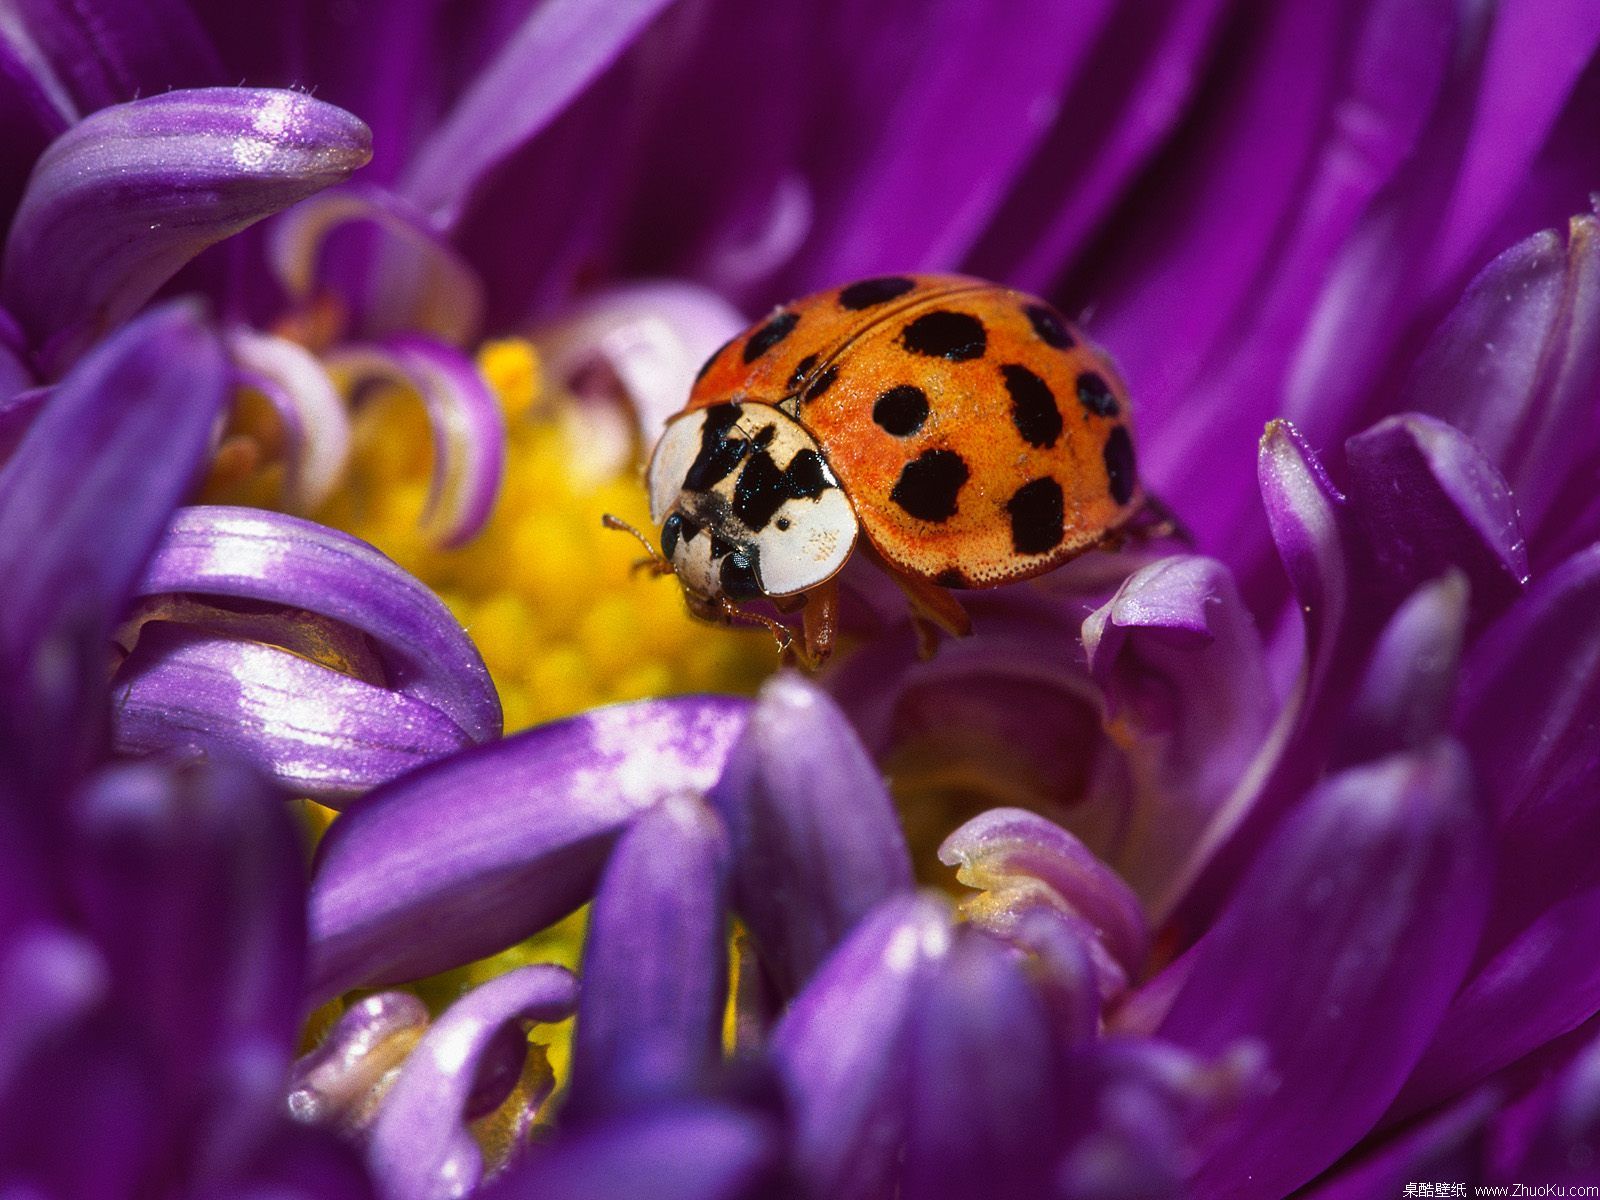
{"x": 439, "y": 295}
{"x": 1188, "y": 698}
{"x": 1403, "y": 701}
{"x": 315, "y": 422}
{"x": 655, "y": 963}
{"x": 1515, "y": 365}
{"x": 340, "y": 1082}
{"x": 420, "y": 1148}
{"x": 815, "y": 837}
{"x": 250, "y": 554}
{"x": 541, "y": 68}
{"x": 988, "y": 1079}
{"x": 1023, "y": 863}
{"x": 1429, "y": 500}
{"x": 1339, "y": 954}
{"x": 317, "y": 732}
{"x": 692, "y": 1152}
{"x": 124, "y": 198}
{"x": 467, "y": 855}
{"x": 842, "y": 1047}
{"x": 83, "y": 502}
{"x": 469, "y": 430}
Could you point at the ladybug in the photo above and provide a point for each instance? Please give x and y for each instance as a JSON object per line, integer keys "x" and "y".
{"x": 968, "y": 434}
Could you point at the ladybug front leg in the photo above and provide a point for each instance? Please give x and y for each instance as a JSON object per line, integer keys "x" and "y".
{"x": 932, "y": 608}
{"x": 818, "y": 625}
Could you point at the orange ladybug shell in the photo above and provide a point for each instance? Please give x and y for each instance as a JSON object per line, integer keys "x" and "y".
{"x": 979, "y": 436}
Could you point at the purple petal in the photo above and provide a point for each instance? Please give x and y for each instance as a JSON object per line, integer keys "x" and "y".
{"x": 695, "y": 1152}
{"x": 1187, "y": 696}
{"x": 312, "y": 414}
{"x": 436, "y": 292}
{"x": 1339, "y": 953}
{"x": 315, "y": 731}
{"x": 1515, "y": 363}
{"x": 420, "y": 1148}
{"x": 1444, "y": 1145}
{"x": 815, "y": 836}
{"x": 468, "y": 855}
{"x": 17, "y": 414}
{"x": 552, "y": 56}
{"x": 1429, "y": 500}
{"x": 83, "y": 503}
{"x": 842, "y": 1047}
{"x": 655, "y": 962}
{"x": 336, "y": 1084}
{"x": 249, "y": 554}
{"x": 50, "y": 979}
{"x": 126, "y": 197}
{"x": 469, "y": 429}
{"x": 1403, "y": 701}
{"x": 1530, "y": 690}
{"x": 1023, "y": 863}
{"x": 191, "y": 880}
{"x": 1566, "y": 1135}
{"x": 988, "y": 1079}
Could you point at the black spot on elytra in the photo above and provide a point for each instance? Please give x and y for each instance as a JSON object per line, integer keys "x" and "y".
{"x": 738, "y": 575}
{"x": 782, "y": 523}
{"x": 719, "y": 453}
{"x": 1038, "y": 516}
{"x": 1033, "y": 406}
{"x": 1119, "y": 465}
{"x": 801, "y": 370}
{"x": 929, "y": 484}
{"x": 715, "y": 354}
{"x": 821, "y": 383}
{"x": 762, "y": 489}
{"x": 769, "y": 335}
{"x": 901, "y": 410}
{"x": 1047, "y": 323}
{"x": 1095, "y": 395}
{"x": 956, "y": 336}
{"x": 875, "y": 291}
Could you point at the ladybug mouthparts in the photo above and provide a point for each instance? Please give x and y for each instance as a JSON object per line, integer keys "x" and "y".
{"x": 747, "y": 504}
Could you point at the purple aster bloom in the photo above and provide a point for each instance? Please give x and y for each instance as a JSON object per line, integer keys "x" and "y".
{"x": 1277, "y": 850}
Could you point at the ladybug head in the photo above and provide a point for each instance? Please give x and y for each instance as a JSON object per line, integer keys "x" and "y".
{"x": 747, "y": 505}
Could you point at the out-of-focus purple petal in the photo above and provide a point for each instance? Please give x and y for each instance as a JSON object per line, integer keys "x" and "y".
{"x": 1403, "y": 701}
{"x": 339, "y": 1083}
{"x": 988, "y": 1080}
{"x": 843, "y": 1047}
{"x": 420, "y": 1148}
{"x": 16, "y": 375}
{"x": 1429, "y": 500}
{"x": 124, "y": 198}
{"x": 1446, "y": 1144}
{"x": 438, "y": 292}
{"x": 309, "y": 1164}
{"x": 83, "y": 502}
{"x": 816, "y": 841}
{"x": 1339, "y": 953}
{"x": 16, "y": 414}
{"x": 692, "y": 1152}
{"x": 651, "y": 338}
{"x": 469, "y": 430}
{"x": 1118, "y": 107}
{"x": 1565, "y": 1145}
{"x": 465, "y": 856}
{"x": 50, "y": 978}
{"x": 1021, "y": 863}
{"x": 553, "y": 54}
{"x": 1516, "y": 364}
{"x": 1530, "y": 691}
{"x": 191, "y": 880}
{"x": 1188, "y": 698}
{"x": 317, "y": 732}
{"x": 315, "y": 421}
{"x": 915, "y": 186}
{"x": 655, "y": 962}
{"x": 250, "y": 554}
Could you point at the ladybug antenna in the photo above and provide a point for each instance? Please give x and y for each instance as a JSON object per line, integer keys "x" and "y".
{"x": 657, "y": 563}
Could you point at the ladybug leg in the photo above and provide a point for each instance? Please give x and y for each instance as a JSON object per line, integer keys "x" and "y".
{"x": 818, "y": 624}
{"x": 932, "y": 609}
{"x": 657, "y": 563}
{"x": 1154, "y": 521}
{"x": 787, "y": 651}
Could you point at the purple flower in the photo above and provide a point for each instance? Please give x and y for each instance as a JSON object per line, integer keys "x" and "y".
{"x": 1276, "y": 851}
